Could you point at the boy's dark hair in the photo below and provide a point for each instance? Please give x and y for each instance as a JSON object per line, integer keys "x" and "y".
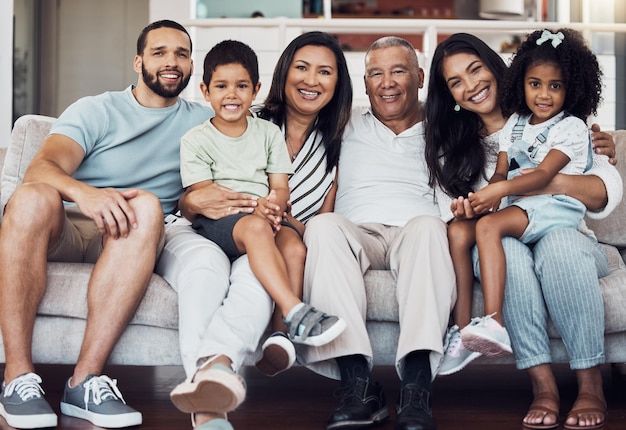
{"x": 231, "y": 52}
{"x": 579, "y": 67}
{"x": 165, "y": 23}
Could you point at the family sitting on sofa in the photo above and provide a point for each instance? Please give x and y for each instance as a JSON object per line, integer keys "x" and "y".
{"x": 375, "y": 188}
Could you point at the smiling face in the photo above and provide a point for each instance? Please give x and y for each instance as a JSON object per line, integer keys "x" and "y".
{"x": 165, "y": 63}
{"x": 230, "y": 93}
{"x": 544, "y": 91}
{"x": 471, "y": 83}
{"x": 311, "y": 80}
{"x": 392, "y": 82}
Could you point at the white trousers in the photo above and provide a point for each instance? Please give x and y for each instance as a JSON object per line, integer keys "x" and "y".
{"x": 340, "y": 252}
{"x": 222, "y": 308}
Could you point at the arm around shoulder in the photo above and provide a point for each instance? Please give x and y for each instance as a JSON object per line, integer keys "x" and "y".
{"x": 608, "y": 177}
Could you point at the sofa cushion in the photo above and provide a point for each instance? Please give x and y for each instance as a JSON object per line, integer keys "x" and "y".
{"x": 28, "y": 134}
{"x": 66, "y": 296}
{"x": 382, "y": 304}
{"x": 3, "y": 153}
{"x": 613, "y": 287}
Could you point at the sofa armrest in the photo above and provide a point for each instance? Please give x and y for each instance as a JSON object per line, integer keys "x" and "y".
{"x": 27, "y": 136}
{"x": 3, "y": 153}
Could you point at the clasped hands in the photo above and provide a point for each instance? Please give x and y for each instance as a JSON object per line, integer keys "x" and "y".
{"x": 217, "y": 201}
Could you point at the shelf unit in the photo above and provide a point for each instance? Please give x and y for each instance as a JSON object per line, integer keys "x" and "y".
{"x": 268, "y": 37}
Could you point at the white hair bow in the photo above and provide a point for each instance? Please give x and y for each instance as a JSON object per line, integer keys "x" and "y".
{"x": 554, "y": 38}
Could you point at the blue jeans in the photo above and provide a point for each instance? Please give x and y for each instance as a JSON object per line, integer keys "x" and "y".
{"x": 557, "y": 277}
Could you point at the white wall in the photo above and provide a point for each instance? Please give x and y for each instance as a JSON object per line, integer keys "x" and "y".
{"x": 94, "y": 53}
{"x": 167, "y": 9}
{"x": 96, "y": 46}
{"x": 6, "y": 70}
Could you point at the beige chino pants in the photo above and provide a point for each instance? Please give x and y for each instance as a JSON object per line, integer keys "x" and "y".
{"x": 340, "y": 252}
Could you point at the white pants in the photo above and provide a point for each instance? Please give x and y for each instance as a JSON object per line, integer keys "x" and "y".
{"x": 222, "y": 309}
{"x": 338, "y": 255}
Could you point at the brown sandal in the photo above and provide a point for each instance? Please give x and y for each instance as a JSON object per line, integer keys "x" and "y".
{"x": 577, "y": 411}
{"x": 533, "y": 407}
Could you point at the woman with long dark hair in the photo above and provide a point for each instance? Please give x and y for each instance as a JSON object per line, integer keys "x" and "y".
{"x": 310, "y": 99}
{"x": 464, "y": 89}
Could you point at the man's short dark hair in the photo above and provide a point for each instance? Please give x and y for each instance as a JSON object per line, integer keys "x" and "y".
{"x": 165, "y": 23}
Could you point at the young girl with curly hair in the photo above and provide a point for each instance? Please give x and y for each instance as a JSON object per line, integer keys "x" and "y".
{"x": 547, "y": 95}
{"x": 555, "y": 278}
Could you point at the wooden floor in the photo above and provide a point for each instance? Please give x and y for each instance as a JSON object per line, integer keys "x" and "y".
{"x": 479, "y": 398}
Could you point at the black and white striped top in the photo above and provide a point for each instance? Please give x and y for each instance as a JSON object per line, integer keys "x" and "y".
{"x": 310, "y": 183}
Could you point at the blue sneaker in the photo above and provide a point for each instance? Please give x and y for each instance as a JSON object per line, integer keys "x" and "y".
{"x": 22, "y": 404}
{"x": 98, "y": 400}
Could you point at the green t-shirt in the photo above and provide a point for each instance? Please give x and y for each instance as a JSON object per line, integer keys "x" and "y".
{"x": 239, "y": 163}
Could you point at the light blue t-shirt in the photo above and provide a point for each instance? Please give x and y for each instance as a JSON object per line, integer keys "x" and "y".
{"x": 128, "y": 145}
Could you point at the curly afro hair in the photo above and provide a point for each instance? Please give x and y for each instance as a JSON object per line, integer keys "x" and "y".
{"x": 579, "y": 66}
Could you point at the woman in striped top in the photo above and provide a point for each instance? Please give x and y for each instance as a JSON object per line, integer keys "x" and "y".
{"x": 310, "y": 99}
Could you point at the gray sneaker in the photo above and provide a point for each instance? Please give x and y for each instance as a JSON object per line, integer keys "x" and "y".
{"x": 22, "y": 404}
{"x": 311, "y": 327}
{"x": 98, "y": 400}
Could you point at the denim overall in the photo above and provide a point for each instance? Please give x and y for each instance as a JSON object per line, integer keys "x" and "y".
{"x": 545, "y": 212}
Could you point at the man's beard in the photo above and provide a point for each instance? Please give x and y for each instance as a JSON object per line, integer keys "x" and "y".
{"x": 158, "y": 88}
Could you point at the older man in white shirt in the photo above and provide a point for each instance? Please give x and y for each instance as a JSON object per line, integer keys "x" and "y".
{"x": 386, "y": 217}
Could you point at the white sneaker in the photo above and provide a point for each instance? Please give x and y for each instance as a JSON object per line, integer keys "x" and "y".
{"x": 487, "y": 336}
{"x": 455, "y": 355}
{"x": 278, "y": 354}
{"x": 217, "y": 388}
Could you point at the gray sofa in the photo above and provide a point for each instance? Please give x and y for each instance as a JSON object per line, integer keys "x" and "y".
{"x": 151, "y": 337}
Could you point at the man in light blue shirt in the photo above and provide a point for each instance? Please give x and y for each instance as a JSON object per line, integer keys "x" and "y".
{"x": 96, "y": 192}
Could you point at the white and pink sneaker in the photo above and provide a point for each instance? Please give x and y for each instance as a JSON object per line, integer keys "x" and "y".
{"x": 487, "y": 336}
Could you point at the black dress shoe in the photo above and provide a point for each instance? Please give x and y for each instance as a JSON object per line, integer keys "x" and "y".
{"x": 413, "y": 409}
{"x": 362, "y": 404}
